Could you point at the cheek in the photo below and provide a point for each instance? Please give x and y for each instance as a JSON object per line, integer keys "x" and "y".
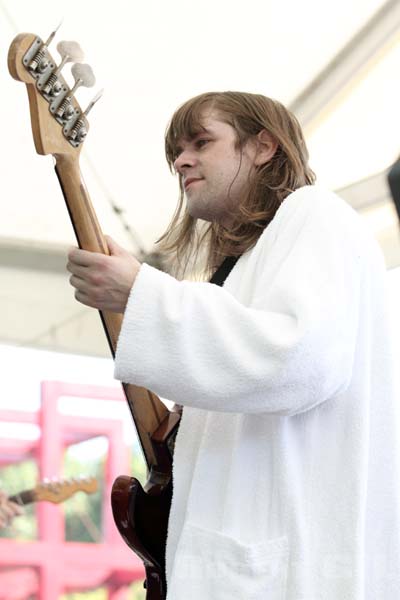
{"x": 228, "y": 172}
{"x": 236, "y": 180}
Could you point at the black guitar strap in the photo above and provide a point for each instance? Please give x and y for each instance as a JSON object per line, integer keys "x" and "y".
{"x": 224, "y": 269}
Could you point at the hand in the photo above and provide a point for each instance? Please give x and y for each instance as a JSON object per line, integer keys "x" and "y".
{"x": 8, "y": 510}
{"x": 103, "y": 281}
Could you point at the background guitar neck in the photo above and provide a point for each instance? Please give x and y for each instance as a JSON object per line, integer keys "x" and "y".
{"x": 23, "y": 498}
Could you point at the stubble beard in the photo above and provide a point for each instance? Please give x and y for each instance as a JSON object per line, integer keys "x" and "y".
{"x": 207, "y": 204}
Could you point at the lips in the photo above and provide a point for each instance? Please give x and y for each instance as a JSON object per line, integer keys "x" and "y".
{"x": 189, "y": 181}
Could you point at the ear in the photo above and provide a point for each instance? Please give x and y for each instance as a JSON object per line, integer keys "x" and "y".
{"x": 266, "y": 148}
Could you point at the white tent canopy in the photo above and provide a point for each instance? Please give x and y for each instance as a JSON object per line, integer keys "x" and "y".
{"x": 335, "y": 64}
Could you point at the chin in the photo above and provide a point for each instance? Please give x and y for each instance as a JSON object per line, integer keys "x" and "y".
{"x": 197, "y": 213}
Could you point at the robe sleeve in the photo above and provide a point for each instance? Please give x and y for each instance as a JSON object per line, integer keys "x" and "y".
{"x": 289, "y": 349}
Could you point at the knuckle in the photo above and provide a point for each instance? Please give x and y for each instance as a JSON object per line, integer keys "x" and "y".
{"x": 96, "y": 278}
{"x": 103, "y": 264}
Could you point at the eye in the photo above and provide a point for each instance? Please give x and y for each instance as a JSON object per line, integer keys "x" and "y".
{"x": 201, "y": 142}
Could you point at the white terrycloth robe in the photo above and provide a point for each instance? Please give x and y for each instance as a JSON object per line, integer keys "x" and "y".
{"x": 286, "y": 470}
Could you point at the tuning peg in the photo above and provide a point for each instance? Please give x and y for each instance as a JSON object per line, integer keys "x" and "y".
{"x": 39, "y": 62}
{"x": 69, "y": 52}
{"x": 83, "y": 75}
{"x": 79, "y": 130}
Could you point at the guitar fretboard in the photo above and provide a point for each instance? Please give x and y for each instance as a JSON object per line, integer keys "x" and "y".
{"x": 23, "y": 498}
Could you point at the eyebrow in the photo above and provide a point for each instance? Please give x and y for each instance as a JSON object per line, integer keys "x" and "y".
{"x": 204, "y": 130}
{"x": 195, "y": 136}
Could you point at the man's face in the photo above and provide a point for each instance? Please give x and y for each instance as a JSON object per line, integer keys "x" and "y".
{"x": 214, "y": 173}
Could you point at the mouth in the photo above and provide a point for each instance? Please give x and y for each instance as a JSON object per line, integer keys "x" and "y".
{"x": 190, "y": 182}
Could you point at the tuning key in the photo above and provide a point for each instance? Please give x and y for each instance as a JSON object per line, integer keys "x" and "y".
{"x": 39, "y": 62}
{"x": 83, "y": 76}
{"x": 79, "y": 130}
{"x": 69, "y": 52}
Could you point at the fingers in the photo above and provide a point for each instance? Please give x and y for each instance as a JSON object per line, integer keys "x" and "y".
{"x": 17, "y": 509}
{"x": 102, "y": 281}
{"x": 110, "y": 241}
{"x": 86, "y": 274}
{"x": 84, "y": 291}
{"x": 3, "y": 520}
{"x": 76, "y": 269}
{"x": 86, "y": 299}
{"x": 79, "y": 261}
{"x": 85, "y": 258}
{"x": 114, "y": 248}
{"x": 13, "y": 509}
{"x": 79, "y": 283}
{"x": 8, "y": 510}
{"x": 82, "y": 258}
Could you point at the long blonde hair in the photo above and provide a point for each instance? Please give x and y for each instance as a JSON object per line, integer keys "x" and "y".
{"x": 187, "y": 239}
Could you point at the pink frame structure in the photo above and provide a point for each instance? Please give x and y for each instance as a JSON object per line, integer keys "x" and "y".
{"x": 49, "y": 567}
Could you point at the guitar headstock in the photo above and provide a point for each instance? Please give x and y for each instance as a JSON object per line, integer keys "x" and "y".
{"x": 58, "y": 491}
{"x": 59, "y": 125}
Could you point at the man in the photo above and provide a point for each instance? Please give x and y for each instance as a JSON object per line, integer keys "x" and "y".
{"x": 286, "y": 463}
{"x": 8, "y": 510}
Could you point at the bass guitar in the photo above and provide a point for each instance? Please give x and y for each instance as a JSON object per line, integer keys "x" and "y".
{"x": 55, "y": 491}
{"x": 59, "y": 127}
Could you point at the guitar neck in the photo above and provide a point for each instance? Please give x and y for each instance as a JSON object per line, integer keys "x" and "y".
{"x": 148, "y": 412}
{"x": 23, "y": 498}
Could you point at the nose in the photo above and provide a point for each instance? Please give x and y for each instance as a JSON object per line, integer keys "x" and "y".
{"x": 184, "y": 160}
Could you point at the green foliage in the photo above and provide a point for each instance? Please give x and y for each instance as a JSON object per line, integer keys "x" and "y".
{"x": 100, "y": 594}
{"x": 135, "y": 592}
{"x": 83, "y": 512}
{"x": 138, "y": 467}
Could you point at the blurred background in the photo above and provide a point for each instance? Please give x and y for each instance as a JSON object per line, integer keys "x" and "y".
{"x": 335, "y": 65}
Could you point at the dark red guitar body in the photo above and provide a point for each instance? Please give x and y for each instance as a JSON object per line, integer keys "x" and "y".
{"x": 142, "y": 520}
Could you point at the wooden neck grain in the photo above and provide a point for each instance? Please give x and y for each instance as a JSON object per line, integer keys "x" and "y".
{"x": 147, "y": 410}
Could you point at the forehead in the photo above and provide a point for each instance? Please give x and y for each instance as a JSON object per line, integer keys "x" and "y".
{"x": 191, "y": 120}
{"x": 207, "y": 120}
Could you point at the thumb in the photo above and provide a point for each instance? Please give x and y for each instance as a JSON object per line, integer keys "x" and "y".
{"x": 114, "y": 248}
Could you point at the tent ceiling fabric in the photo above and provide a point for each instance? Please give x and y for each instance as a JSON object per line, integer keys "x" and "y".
{"x": 150, "y": 58}
{"x": 344, "y": 70}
